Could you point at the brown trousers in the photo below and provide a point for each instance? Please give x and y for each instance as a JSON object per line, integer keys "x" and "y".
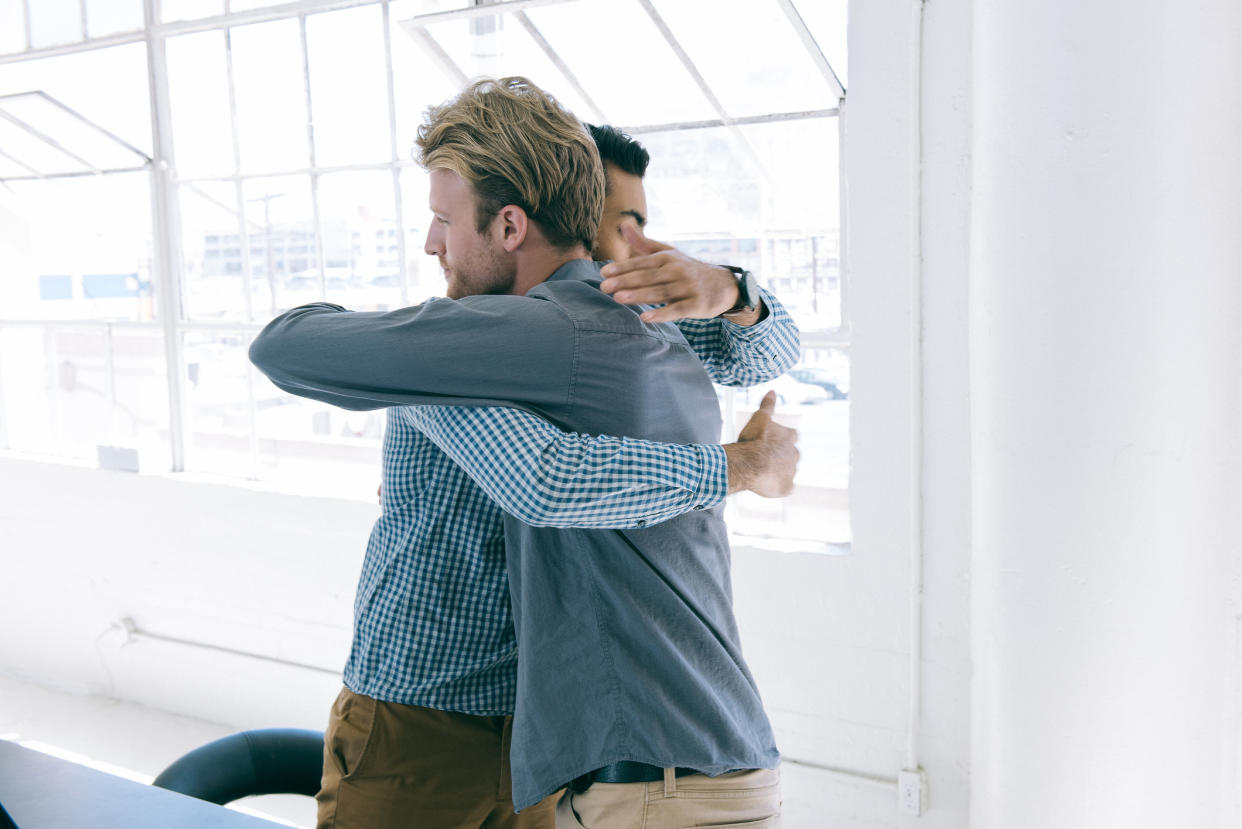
{"x": 392, "y": 766}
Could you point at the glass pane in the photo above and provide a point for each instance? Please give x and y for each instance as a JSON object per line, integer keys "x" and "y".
{"x": 12, "y": 26}
{"x": 423, "y": 273}
{"x": 245, "y": 5}
{"x": 777, "y": 215}
{"x": 81, "y": 143}
{"x": 705, "y": 187}
{"x": 106, "y": 17}
{"x": 190, "y": 9}
{"x": 349, "y": 87}
{"x": 749, "y": 54}
{"x": 284, "y": 257}
{"x": 214, "y": 286}
{"x": 360, "y": 247}
{"x": 814, "y": 399}
{"x": 405, "y": 9}
{"x": 32, "y": 152}
{"x": 306, "y": 446}
{"x": 707, "y": 182}
{"x": 217, "y": 403}
{"x": 654, "y": 89}
{"x": 497, "y": 46}
{"x": 55, "y": 21}
{"x": 271, "y": 96}
{"x": 826, "y": 20}
{"x": 419, "y": 80}
{"x": 314, "y": 448}
{"x": 106, "y": 86}
{"x": 98, "y": 394}
{"x": 78, "y": 248}
{"x": 199, "y": 92}
{"x": 27, "y": 388}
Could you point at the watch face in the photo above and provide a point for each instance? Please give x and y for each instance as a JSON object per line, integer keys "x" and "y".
{"x": 747, "y": 290}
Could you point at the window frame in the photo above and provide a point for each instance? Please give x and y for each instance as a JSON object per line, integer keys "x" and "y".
{"x": 168, "y": 271}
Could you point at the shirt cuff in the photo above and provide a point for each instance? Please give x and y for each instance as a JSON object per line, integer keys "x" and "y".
{"x": 748, "y": 332}
{"x": 714, "y": 485}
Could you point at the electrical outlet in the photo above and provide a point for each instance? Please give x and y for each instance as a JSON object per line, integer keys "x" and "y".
{"x": 910, "y": 786}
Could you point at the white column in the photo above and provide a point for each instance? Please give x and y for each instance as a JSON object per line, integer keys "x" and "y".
{"x": 1106, "y": 311}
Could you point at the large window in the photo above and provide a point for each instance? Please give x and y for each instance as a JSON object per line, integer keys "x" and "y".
{"x": 152, "y": 221}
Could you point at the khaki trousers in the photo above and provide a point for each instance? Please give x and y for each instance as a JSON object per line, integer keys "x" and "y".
{"x": 392, "y": 766}
{"x": 741, "y": 800}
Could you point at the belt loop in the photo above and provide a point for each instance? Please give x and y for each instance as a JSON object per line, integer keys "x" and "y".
{"x": 670, "y": 782}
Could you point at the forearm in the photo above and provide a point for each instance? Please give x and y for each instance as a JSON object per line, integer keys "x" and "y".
{"x": 736, "y": 354}
{"x": 738, "y": 465}
{"x": 745, "y": 319}
{"x": 546, "y": 477}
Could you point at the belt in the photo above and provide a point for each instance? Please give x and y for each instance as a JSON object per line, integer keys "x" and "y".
{"x": 625, "y": 771}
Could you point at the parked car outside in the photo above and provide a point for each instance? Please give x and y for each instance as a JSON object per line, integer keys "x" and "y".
{"x": 821, "y": 377}
{"x": 789, "y": 392}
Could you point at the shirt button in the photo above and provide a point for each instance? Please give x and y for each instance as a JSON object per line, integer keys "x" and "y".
{"x": 640, "y": 523}
{"x": 698, "y": 506}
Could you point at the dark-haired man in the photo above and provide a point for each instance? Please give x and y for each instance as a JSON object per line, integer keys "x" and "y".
{"x": 625, "y": 201}
{"x": 647, "y": 272}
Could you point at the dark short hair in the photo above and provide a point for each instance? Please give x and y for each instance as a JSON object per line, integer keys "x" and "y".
{"x": 615, "y": 147}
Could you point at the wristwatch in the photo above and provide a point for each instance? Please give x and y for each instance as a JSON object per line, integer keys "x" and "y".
{"x": 747, "y": 292}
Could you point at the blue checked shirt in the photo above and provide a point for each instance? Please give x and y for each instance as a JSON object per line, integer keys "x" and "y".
{"x": 433, "y": 622}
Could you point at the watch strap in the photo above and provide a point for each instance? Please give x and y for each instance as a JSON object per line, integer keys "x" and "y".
{"x": 747, "y": 291}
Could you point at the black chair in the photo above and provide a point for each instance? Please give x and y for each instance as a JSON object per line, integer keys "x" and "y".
{"x": 264, "y": 761}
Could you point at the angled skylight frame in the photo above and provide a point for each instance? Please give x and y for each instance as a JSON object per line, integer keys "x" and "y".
{"x": 704, "y": 87}
{"x": 143, "y": 160}
{"x": 560, "y": 64}
{"x": 812, "y": 47}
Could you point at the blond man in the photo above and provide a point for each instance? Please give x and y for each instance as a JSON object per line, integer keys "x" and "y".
{"x": 627, "y": 659}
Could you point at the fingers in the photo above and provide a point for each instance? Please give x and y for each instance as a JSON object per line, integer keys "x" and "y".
{"x": 773, "y": 455}
{"x": 647, "y": 262}
{"x": 688, "y": 289}
{"x": 667, "y": 313}
{"x": 646, "y": 280}
{"x": 633, "y": 236}
{"x": 657, "y": 287}
{"x": 767, "y": 408}
{"x": 761, "y": 421}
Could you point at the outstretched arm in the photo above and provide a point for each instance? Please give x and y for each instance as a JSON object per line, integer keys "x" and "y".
{"x": 546, "y": 477}
{"x": 736, "y": 350}
{"x": 481, "y": 350}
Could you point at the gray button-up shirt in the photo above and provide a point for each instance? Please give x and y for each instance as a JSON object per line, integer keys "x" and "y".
{"x": 628, "y": 648}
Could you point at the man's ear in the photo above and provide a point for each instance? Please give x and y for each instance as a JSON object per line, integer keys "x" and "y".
{"x": 513, "y": 225}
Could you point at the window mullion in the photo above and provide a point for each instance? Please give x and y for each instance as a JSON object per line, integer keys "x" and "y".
{"x": 310, "y": 143}
{"x": 843, "y": 222}
{"x": 165, "y": 236}
{"x": 26, "y": 23}
{"x": 395, "y": 168}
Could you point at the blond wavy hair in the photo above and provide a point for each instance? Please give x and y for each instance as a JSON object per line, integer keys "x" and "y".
{"x": 515, "y": 144}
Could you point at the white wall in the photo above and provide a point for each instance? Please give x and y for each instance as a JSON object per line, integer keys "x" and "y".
{"x": 1106, "y": 348}
{"x": 224, "y": 565}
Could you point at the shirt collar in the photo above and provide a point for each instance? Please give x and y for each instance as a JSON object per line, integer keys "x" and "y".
{"x": 577, "y": 269}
